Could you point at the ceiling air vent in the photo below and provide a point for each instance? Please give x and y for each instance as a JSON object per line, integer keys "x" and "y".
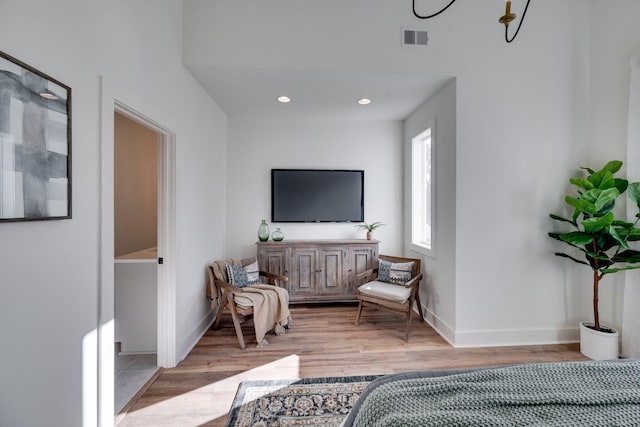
{"x": 414, "y": 37}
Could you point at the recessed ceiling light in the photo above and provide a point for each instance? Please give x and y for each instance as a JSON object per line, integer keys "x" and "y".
{"x": 48, "y": 95}
{"x": 284, "y": 99}
{"x": 364, "y": 101}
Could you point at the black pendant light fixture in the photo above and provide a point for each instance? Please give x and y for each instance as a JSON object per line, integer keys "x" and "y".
{"x": 505, "y": 19}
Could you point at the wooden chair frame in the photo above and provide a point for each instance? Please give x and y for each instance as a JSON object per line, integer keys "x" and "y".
{"x": 380, "y": 303}
{"x": 225, "y": 293}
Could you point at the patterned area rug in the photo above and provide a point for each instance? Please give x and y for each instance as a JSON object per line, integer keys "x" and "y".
{"x": 318, "y": 402}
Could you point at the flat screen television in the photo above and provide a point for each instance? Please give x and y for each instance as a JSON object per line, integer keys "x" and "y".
{"x": 317, "y": 195}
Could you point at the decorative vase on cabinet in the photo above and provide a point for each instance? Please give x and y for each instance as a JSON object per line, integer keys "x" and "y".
{"x": 277, "y": 235}
{"x": 263, "y": 231}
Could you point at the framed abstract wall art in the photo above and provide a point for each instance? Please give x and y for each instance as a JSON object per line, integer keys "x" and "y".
{"x": 35, "y": 144}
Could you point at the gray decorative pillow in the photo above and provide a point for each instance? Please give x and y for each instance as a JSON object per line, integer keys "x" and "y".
{"x": 237, "y": 275}
{"x": 240, "y": 276}
{"x": 253, "y": 273}
{"x": 398, "y": 272}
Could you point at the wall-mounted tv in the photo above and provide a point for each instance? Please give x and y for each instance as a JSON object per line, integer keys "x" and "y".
{"x": 317, "y": 195}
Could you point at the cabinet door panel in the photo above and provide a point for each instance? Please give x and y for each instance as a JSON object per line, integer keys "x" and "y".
{"x": 361, "y": 259}
{"x": 304, "y": 271}
{"x": 332, "y": 271}
{"x": 276, "y": 262}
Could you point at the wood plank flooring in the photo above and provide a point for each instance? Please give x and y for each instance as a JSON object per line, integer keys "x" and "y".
{"x": 322, "y": 342}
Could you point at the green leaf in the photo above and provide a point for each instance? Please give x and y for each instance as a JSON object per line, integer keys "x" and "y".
{"x": 629, "y": 234}
{"x": 604, "y": 241}
{"x": 554, "y": 235}
{"x": 606, "y": 208}
{"x": 605, "y": 199}
{"x": 616, "y": 236}
{"x": 595, "y": 179}
{"x": 595, "y": 224}
{"x": 634, "y": 193}
{"x": 621, "y": 184}
{"x": 576, "y": 214}
{"x": 369, "y": 227}
{"x": 602, "y": 180}
{"x": 602, "y": 257}
{"x": 576, "y": 238}
{"x": 591, "y": 171}
{"x": 613, "y": 166}
{"x": 620, "y": 223}
{"x": 582, "y": 183}
{"x": 581, "y": 205}
{"x": 615, "y": 270}
{"x": 629, "y": 256}
{"x": 563, "y": 255}
{"x": 559, "y": 218}
{"x": 591, "y": 195}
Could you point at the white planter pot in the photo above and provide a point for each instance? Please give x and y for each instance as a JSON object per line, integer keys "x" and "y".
{"x": 598, "y": 345}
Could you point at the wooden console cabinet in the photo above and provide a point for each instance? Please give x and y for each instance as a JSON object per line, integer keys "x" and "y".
{"x": 319, "y": 270}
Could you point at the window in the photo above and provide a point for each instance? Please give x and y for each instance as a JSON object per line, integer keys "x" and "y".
{"x": 421, "y": 188}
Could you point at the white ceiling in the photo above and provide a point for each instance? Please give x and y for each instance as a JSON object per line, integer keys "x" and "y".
{"x": 316, "y": 94}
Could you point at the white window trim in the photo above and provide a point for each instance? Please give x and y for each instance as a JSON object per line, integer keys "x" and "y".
{"x": 430, "y": 252}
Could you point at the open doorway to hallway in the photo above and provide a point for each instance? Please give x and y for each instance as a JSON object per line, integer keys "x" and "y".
{"x": 136, "y": 180}
{"x": 165, "y": 299}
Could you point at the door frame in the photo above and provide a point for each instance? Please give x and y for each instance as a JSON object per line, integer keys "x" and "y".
{"x": 166, "y": 233}
{"x": 112, "y": 102}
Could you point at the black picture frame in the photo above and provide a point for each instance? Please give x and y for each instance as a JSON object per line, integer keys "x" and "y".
{"x": 35, "y": 144}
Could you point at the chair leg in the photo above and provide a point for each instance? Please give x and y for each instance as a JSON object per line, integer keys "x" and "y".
{"x": 419, "y": 306}
{"x": 236, "y": 321}
{"x": 359, "y": 312}
{"x": 223, "y": 304}
{"x": 406, "y": 329}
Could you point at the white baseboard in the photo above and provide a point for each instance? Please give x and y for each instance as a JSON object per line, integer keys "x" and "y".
{"x": 136, "y": 353}
{"x": 501, "y": 337}
{"x": 440, "y": 326}
{"x": 198, "y": 332}
{"x": 509, "y": 337}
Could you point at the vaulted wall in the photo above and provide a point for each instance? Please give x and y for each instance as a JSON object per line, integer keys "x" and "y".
{"x": 50, "y": 274}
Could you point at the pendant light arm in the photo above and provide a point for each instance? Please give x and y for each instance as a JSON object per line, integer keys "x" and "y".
{"x": 506, "y": 27}
{"x": 434, "y": 14}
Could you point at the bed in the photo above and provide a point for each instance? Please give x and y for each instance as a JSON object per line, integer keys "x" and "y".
{"x": 605, "y": 393}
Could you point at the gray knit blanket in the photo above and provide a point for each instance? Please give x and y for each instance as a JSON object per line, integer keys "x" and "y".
{"x": 548, "y": 394}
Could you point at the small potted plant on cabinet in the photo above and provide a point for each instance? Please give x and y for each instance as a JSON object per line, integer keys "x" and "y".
{"x": 603, "y": 241}
{"x": 369, "y": 227}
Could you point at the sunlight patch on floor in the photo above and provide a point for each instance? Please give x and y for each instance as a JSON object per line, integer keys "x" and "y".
{"x": 199, "y": 402}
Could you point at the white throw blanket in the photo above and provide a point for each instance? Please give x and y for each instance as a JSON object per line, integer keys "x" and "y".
{"x": 270, "y": 309}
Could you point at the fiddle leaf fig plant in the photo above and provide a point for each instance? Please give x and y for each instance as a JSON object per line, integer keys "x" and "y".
{"x": 596, "y": 234}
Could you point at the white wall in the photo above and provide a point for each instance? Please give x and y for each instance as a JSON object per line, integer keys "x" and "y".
{"x": 522, "y": 111}
{"x": 615, "y": 39}
{"x": 49, "y": 276}
{"x": 256, "y": 146}
{"x": 520, "y": 114}
{"x": 437, "y": 291}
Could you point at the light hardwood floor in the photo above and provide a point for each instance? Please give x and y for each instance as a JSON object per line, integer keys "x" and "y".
{"x": 323, "y": 342}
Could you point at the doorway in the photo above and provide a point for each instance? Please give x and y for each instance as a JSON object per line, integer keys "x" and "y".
{"x": 136, "y": 208}
{"x": 165, "y": 285}
{"x": 165, "y": 257}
